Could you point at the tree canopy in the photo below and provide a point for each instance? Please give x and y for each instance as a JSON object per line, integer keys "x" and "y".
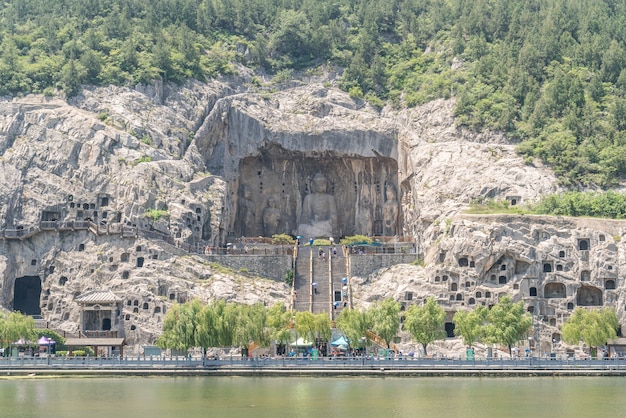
{"x": 469, "y": 324}
{"x": 385, "y": 318}
{"x": 550, "y": 75}
{"x": 507, "y": 322}
{"x": 355, "y": 325}
{"x": 218, "y": 324}
{"x": 595, "y": 327}
{"x": 425, "y": 323}
{"x": 15, "y": 326}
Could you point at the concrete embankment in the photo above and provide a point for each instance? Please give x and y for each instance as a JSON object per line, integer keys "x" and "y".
{"x": 312, "y": 372}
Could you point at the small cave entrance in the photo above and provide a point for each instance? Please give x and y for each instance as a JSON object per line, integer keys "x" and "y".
{"x": 449, "y": 329}
{"x": 26, "y": 295}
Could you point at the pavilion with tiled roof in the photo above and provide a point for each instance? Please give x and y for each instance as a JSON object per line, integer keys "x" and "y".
{"x": 101, "y": 325}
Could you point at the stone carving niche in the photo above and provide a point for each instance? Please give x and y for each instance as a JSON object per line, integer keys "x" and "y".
{"x": 554, "y": 290}
{"x": 589, "y": 296}
{"x": 272, "y": 195}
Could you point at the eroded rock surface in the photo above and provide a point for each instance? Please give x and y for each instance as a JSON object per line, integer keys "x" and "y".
{"x": 202, "y": 162}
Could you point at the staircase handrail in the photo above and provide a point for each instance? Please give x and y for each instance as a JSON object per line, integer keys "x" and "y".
{"x": 380, "y": 342}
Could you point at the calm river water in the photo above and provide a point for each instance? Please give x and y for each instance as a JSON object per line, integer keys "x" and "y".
{"x": 277, "y": 397}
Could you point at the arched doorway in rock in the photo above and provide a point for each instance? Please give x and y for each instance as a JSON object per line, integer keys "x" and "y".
{"x": 27, "y": 294}
{"x": 106, "y": 324}
{"x": 449, "y": 329}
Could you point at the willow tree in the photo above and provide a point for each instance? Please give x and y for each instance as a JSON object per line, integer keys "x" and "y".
{"x": 237, "y": 325}
{"x": 15, "y": 326}
{"x": 425, "y": 323}
{"x": 594, "y": 327}
{"x": 279, "y": 324}
{"x": 181, "y": 327}
{"x": 355, "y": 325}
{"x": 469, "y": 324}
{"x": 252, "y": 325}
{"x": 386, "y": 320}
{"x": 507, "y": 323}
{"x": 312, "y": 326}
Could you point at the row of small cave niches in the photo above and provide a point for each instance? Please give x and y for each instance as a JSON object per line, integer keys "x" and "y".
{"x": 583, "y": 245}
{"x": 136, "y": 305}
{"x": 125, "y": 257}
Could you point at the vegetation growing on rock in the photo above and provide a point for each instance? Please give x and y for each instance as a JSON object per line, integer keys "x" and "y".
{"x": 550, "y": 75}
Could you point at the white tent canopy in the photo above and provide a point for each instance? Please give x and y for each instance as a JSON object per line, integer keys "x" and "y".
{"x": 301, "y": 342}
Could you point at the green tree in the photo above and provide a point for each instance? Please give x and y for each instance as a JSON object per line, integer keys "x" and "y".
{"x": 425, "y": 323}
{"x": 355, "y": 325}
{"x": 311, "y": 326}
{"x": 386, "y": 319}
{"x": 14, "y": 326}
{"x": 282, "y": 239}
{"x": 71, "y": 77}
{"x": 252, "y": 325}
{"x": 595, "y": 327}
{"x": 508, "y": 322}
{"x": 278, "y": 322}
{"x": 469, "y": 324}
{"x": 181, "y": 327}
{"x": 293, "y": 35}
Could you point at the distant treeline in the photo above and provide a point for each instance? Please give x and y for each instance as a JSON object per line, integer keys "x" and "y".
{"x": 594, "y": 204}
{"x": 607, "y": 204}
{"x": 549, "y": 73}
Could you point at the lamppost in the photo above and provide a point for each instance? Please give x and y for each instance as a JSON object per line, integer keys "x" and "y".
{"x": 363, "y": 341}
{"x": 296, "y": 334}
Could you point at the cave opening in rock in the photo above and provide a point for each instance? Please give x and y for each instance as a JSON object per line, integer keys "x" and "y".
{"x": 26, "y": 296}
{"x": 449, "y": 329}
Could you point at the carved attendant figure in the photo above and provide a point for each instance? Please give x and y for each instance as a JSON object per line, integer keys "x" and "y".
{"x": 364, "y": 218}
{"x": 319, "y": 211}
{"x": 247, "y": 212}
{"x": 271, "y": 218}
{"x": 391, "y": 210}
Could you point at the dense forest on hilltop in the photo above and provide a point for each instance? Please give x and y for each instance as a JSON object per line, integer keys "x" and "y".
{"x": 548, "y": 73}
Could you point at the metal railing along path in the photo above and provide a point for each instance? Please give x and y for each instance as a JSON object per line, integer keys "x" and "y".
{"x": 309, "y": 363}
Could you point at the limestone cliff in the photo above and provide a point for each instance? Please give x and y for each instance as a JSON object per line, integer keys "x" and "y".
{"x": 112, "y": 190}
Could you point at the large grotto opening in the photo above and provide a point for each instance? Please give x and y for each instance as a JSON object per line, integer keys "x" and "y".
{"x": 273, "y": 195}
{"x": 26, "y": 296}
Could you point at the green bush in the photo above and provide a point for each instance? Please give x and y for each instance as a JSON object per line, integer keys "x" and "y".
{"x": 143, "y": 159}
{"x": 155, "y": 214}
{"x": 289, "y": 278}
{"x": 321, "y": 242}
{"x": 356, "y": 239}
{"x": 282, "y": 239}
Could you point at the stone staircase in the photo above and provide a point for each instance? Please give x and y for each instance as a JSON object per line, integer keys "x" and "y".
{"x": 302, "y": 280}
{"x": 321, "y": 300}
{"x": 327, "y": 273}
{"x": 338, "y": 272}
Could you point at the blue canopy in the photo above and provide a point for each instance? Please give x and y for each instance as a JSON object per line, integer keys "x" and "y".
{"x": 340, "y": 341}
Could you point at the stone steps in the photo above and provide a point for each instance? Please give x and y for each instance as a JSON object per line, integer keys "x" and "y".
{"x": 327, "y": 272}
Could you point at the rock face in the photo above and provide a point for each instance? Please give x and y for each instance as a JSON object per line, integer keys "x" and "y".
{"x": 553, "y": 264}
{"x": 110, "y": 190}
